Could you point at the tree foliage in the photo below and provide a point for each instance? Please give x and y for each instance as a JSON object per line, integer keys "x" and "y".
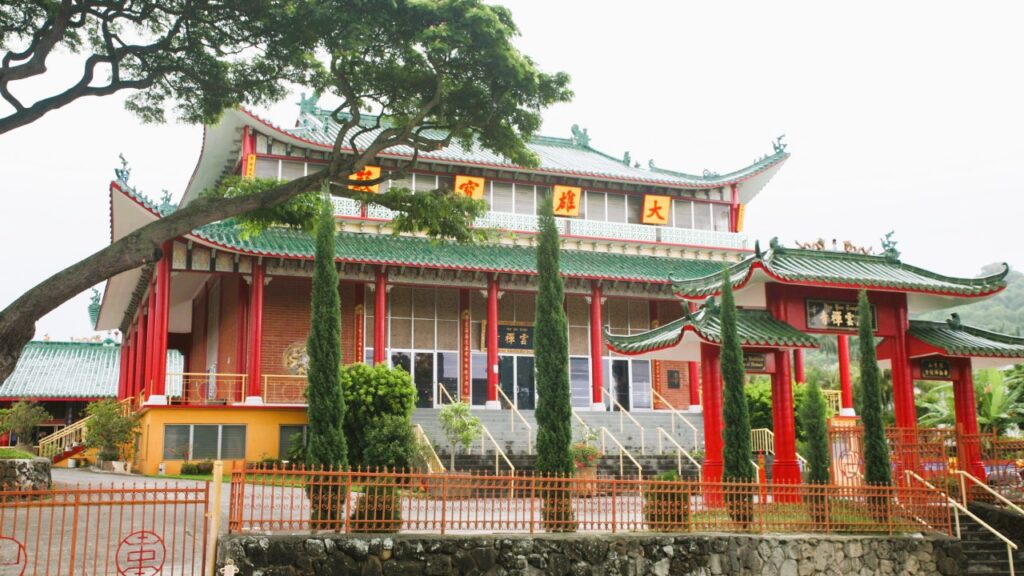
{"x": 816, "y": 446}
{"x": 110, "y": 428}
{"x": 401, "y": 73}
{"x": 998, "y": 398}
{"x": 326, "y": 444}
{"x": 390, "y": 443}
{"x": 22, "y": 419}
{"x": 736, "y": 464}
{"x": 461, "y": 428}
{"x": 876, "y": 451}
{"x": 373, "y": 392}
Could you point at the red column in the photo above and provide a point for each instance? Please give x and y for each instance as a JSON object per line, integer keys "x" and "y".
{"x": 694, "y": 373}
{"x": 140, "y": 355}
{"x": 160, "y": 323}
{"x": 845, "y": 383}
{"x": 151, "y": 344}
{"x": 902, "y": 382}
{"x": 785, "y": 468}
{"x": 254, "y": 394}
{"x": 798, "y": 366}
{"x": 380, "y": 318}
{"x": 492, "y": 343}
{"x": 967, "y": 419}
{"x": 712, "y": 377}
{"x": 596, "y": 346}
{"x": 122, "y": 373}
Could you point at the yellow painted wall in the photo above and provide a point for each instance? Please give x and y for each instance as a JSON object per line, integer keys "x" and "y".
{"x": 261, "y": 434}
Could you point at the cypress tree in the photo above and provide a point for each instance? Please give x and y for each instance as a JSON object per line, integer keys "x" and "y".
{"x": 551, "y": 348}
{"x": 736, "y": 464}
{"x": 876, "y": 451}
{"x": 326, "y": 404}
{"x": 815, "y": 424}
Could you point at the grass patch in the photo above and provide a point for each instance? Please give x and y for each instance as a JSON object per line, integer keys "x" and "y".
{"x": 196, "y": 477}
{"x": 15, "y": 454}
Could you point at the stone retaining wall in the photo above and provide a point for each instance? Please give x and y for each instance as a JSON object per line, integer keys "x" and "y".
{"x": 591, "y": 554}
{"x": 25, "y": 474}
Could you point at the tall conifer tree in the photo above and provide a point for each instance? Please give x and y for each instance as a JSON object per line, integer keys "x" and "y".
{"x": 815, "y": 424}
{"x": 876, "y": 450}
{"x": 326, "y": 404}
{"x": 736, "y": 464}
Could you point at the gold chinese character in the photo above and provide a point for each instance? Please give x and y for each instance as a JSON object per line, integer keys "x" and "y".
{"x": 851, "y": 319}
{"x": 510, "y": 338}
{"x": 837, "y": 318}
{"x": 524, "y": 339}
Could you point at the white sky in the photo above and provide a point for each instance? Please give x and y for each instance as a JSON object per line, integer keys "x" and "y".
{"x": 899, "y": 115}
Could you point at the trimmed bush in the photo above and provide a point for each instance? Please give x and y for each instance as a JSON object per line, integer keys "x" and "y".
{"x": 390, "y": 443}
{"x": 667, "y": 506}
{"x": 370, "y": 393}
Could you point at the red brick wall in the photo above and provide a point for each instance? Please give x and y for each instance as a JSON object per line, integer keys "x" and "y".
{"x": 679, "y": 397}
{"x": 227, "y": 348}
{"x": 347, "y": 291}
{"x": 285, "y": 319}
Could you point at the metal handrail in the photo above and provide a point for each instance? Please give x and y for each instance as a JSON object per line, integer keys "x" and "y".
{"x": 623, "y": 413}
{"x": 833, "y": 400}
{"x": 486, "y": 434}
{"x": 1000, "y": 497}
{"x": 677, "y": 414}
{"x": 766, "y": 439}
{"x": 72, "y": 435}
{"x": 512, "y": 423}
{"x": 435, "y": 465}
{"x": 622, "y": 452}
{"x": 961, "y": 509}
{"x": 680, "y": 453}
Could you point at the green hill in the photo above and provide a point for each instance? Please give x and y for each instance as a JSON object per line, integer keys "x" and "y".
{"x": 1003, "y": 312}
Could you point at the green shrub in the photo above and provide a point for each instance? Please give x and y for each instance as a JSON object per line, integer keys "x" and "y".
{"x": 667, "y": 506}
{"x": 22, "y": 419}
{"x": 372, "y": 392}
{"x": 204, "y": 467}
{"x": 189, "y": 469}
{"x": 378, "y": 508}
{"x": 390, "y": 443}
{"x": 460, "y": 427}
{"x": 110, "y": 429}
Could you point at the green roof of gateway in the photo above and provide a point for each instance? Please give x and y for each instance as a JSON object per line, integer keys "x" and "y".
{"x": 755, "y": 328}
{"x": 839, "y": 269}
{"x": 422, "y": 252}
{"x": 956, "y": 339}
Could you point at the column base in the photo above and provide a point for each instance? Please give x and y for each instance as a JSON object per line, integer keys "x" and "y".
{"x": 156, "y": 400}
{"x": 253, "y": 401}
{"x": 696, "y": 409}
{"x": 786, "y": 472}
{"x": 847, "y": 412}
{"x": 598, "y": 407}
{"x": 492, "y": 405}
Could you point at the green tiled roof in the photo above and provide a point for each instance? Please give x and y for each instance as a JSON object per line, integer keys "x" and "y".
{"x": 755, "y": 328}
{"x": 557, "y": 155}
{"x": 799, "y": 266}
{"x": 422, "y": 252}
{"x": 957, "y": 339}
{"x": 70, "y": 370}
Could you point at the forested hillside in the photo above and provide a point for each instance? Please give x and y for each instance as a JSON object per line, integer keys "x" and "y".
{"x": 1001, "y": 313}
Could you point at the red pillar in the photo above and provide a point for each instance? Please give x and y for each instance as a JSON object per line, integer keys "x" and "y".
{"x": 967, "y": 419}
{"x": 712, "y": 377}
{"x": 492, "y": 343}
{"x": 254, "y": 394}
{"x": 798, "y": 366}
{"x": 785, "y": 468}
{"x": 902, "y": 382}
{"x": 150, "y": 351}
{"x": 160, "y": 324}
{"x": 140, "y": 355}
{"x": 122, "y": 373}
{"x": 694, "y": 373}
{"x": 596, "y": 346}
{"x": 845, "y": 383}
{"x": 380, "y": 318}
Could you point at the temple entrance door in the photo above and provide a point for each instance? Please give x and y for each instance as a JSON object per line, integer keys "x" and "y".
{"x": 423, "y": 378}
{"x": 507, "y": 377}
{"x": 620, "y": 383}
{"x": 516, "y": 378}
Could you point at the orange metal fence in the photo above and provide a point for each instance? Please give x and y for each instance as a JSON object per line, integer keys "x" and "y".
{"x": 284, "y": 389}
{"x": 268, "y": 500}
{"x": 109, "y": 529}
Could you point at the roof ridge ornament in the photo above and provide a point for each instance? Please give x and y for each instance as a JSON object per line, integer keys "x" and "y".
{"x": 889, "y": 247}
{"x": 757, "y": 250}
{"x": 627, "y": 159}
{"x": 954, "y": 321}
{"x": 778, "y": 145}
{"x": 774, "y": 244}
{"x": 580, "y": 136}
{"x": 709, "y": 174}
{"x": 124, "y": 171}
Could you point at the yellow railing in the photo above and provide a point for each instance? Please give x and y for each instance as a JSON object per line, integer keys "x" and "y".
{"x": 72, "y": 436}
{"x": 680, "y": 452}
{"x": 833, "y": 400}
{"x": 209, "y": 388}
{"x": 622, "y": 453}
{"x": 434, "y": 464}
{"x": 284, "y": 389}
{"x": 763, "y": 440}
{"x": 498, "y": 452}
{"x": 677, "y": 414}
{"x": 965, "y": 477}
{"x": 513, "y": 412}
{"x": 623, "y": 414}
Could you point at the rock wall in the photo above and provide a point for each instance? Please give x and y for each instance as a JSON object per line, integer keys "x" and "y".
{"x": 31, "y": 474}
{"x": 591, "y": 554}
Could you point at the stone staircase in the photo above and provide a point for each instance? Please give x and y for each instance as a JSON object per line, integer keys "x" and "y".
{"x": 986, "y": 554}
{"x": 607, "y": 466}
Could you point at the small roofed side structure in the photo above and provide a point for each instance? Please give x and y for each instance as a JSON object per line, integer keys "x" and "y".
{"x": 953, "y": 339}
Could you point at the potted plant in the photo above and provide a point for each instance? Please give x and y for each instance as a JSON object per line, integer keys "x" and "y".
{"x": 22, "y": 419}
{"x": 584, "y": 459}
{"x": 112, "y": 432}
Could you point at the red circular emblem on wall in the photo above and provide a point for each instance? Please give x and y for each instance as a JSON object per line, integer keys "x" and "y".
{"x": 851, "y": 463}
{"x": 141, "y": 553}
{"x": 13, "y": 559}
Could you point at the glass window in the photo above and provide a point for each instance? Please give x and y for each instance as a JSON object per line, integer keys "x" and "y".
{"x": 401, "y": 333}
{"x": 290, "y": 435}
{"x": 447, "y": 335}
{"x": 446, "y": 183}
{"x": 204, "y": 442}
{"x": 267, "y": 168}
{"x": 721, "y": 215}
{"x": 176, "y": 442}
{"x": 595, "y": 206}
{"x": 641, "y": 384}
{"x": 702, "y": 216}
{"x": 502, "y": 197}
{"x": 525, "y": 203}
{"x": 368, "y": 357}
{"x": 232, "y": 442}
{"x": 423, "y": 334}
{"x": 634, "y": 209}
{"x": 616, "y": 208}
{"x": 579, "y": 382}
{"x": 682, "y": 212}
{"x": 405, "y": 182}
{"x": 425, "y": 182}
{"x": 478, "y": 376}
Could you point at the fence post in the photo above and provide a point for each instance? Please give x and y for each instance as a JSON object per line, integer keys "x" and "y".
{"x": 615, "y": 489}
{"x": 348, "y": 499}
{"x": 444, "y": 501}
{"x": 213, "y": 516}
{"x": 74, "y": 529}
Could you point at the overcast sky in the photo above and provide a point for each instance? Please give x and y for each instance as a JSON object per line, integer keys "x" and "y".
{"x": 900, "y": 116}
